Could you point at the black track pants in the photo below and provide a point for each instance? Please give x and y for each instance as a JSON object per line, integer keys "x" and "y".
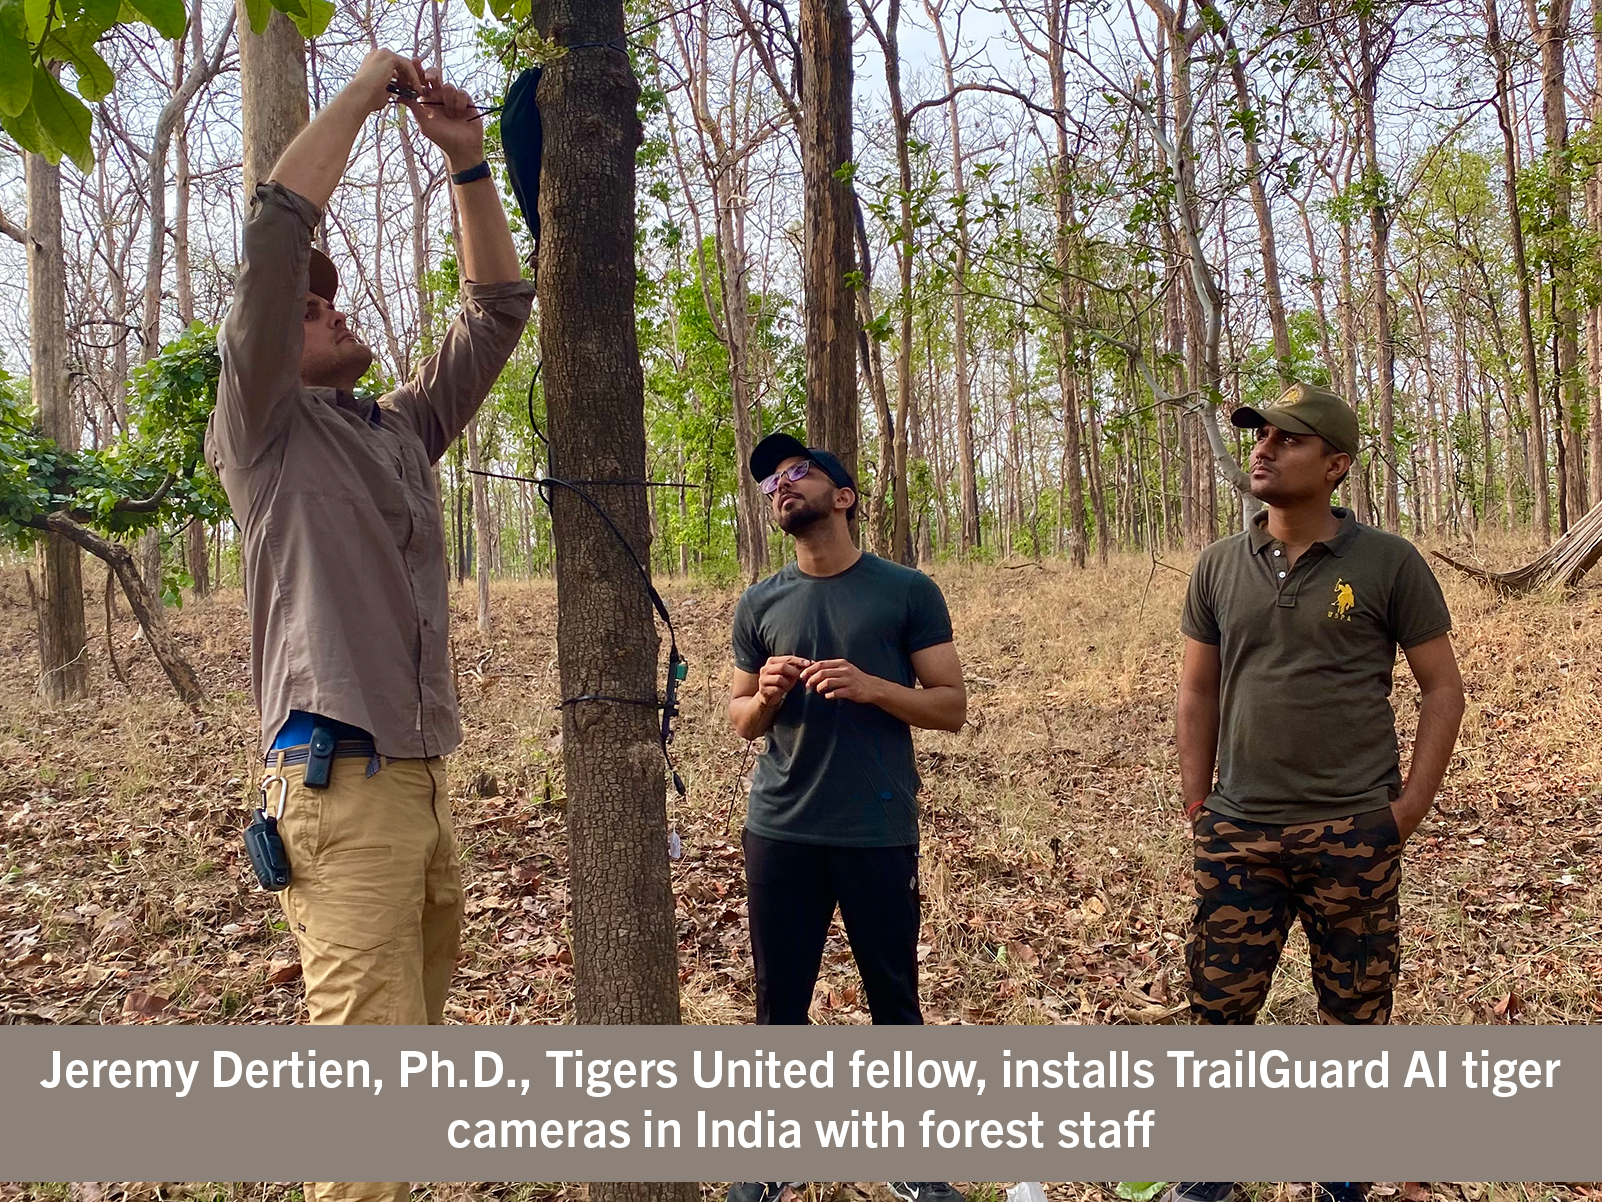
{"x": 792, "y": 890}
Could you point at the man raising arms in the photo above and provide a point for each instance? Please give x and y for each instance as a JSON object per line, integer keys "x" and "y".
{"x": 343, "y": 553}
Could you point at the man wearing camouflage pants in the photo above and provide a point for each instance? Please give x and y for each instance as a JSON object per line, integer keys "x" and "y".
{"x": 1291, "y": 629}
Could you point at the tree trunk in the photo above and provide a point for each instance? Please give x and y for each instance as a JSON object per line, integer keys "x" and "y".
{"x": 831, "y": 378}
{"x": 481, "y": 527}
{"x": 63, "y": 674}
{"x": 751, "y": 508}
{"x": 877, "y": 510}
{"x": 901, "y": 548}
{"x": 969, "y": 532}
{"x": 195, "y": 555}
{"x": 1593, "y": 357}
{"x": 1247, "y": 115}
{"x": 624, "y": 941}
{"x": 1067, "y": 350}
{"x": 1542, "y": 517}
{"x": 145, "y": 604}
{"x": 272, "y": 93}
{"x": 1379, "y": 220}
{"x": 1552, "y": 36}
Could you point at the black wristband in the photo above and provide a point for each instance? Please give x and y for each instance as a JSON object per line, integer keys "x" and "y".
{"x": 472, "y": 173}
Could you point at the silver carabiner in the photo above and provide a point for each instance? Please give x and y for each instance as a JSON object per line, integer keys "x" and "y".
{"x": 283, "y": 793}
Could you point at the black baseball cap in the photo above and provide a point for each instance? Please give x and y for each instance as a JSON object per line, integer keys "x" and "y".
{"x": 776, "y": 448}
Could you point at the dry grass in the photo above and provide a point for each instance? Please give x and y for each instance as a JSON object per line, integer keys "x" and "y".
{"x": 1056, "y": 874}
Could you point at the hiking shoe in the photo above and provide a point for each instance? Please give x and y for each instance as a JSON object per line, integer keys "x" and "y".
{"x": 1340, "y": 1191}
{"x": 1200, "y": 1191}
{"x": 762, "y": 1191}
{"x": 925, "y": 1191}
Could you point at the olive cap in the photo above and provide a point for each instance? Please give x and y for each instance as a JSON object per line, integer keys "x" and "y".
{"x": 1306, "y": 409}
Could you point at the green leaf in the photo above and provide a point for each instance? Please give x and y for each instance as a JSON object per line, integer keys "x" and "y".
{"x": 476, "y": 7}
{"x": 167, "y": 17}
{"x": 317, "y": 15}
{"x": 36, "y": 12}
{"x": 1139, "y": 1191}
{"x": 74, "y": 44}
{"x": 63, "y": 118}
{"x": 259, "y": 12}
{"x": 16, "y": 74}
{"x": 101, "y": 15}
{"x": 25, "y": 132}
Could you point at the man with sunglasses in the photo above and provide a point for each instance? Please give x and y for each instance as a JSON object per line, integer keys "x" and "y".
{"x": 837, "y": 656}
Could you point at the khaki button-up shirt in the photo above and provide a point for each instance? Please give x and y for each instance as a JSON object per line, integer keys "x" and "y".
{"x": 342, "y": 537}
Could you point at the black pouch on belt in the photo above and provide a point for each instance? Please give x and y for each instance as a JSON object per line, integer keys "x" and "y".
{"x": 320, "y": 757}
{"x": 266, "y": 851}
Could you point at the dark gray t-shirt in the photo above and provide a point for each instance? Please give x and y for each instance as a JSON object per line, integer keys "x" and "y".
{"x": 839, "y": 773}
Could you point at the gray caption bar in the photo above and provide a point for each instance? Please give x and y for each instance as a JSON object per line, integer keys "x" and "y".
{"x": 832, "y": 1103}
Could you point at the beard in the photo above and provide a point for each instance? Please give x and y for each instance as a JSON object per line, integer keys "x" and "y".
{"x": 338, "y": 366}
{"x": 797, "y": 519}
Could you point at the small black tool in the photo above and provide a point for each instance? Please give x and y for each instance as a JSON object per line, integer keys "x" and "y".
{"x": 265, "y": 847}
{"x": 320, "y": 757}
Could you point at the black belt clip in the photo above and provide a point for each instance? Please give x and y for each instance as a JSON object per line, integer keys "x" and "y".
{"x": 320, "y": 756}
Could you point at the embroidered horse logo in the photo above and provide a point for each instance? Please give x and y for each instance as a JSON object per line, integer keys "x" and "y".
{"x": 1344, "y": 600}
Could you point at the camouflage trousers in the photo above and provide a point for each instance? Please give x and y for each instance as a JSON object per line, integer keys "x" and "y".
{"x": 1341, "y": 878}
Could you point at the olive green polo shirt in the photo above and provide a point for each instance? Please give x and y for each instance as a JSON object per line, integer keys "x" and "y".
{"x": 1306, "y": 732}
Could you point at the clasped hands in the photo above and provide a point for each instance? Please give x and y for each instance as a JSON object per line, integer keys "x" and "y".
{"x": 831, "y": 678}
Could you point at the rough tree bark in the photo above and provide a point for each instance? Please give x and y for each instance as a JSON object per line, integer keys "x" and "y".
{"x": 1373, "y": 59}
{"x": 272, "y": 93}
{"x": 63, "y": 674}
{"x": 969, "y": 531}
{"x": 624, "y": 942}
{"x": 831, "y": 377}
{"x": 1542, "y": 518}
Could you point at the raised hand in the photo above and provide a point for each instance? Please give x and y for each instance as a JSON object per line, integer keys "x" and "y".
{"x": 447, "y": 117}
{"x": 370, "y": 85}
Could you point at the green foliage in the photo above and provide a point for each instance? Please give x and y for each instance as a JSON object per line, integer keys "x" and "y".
{"x": 170, "y": 399}
{"x": 40, "y": 37}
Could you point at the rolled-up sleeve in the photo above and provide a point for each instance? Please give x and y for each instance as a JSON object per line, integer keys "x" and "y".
{"x": 452, "y": 383}
{"x": 260, "y": 338}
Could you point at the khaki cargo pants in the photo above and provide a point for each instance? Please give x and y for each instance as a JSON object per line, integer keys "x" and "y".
{"x": 375, "y": 903}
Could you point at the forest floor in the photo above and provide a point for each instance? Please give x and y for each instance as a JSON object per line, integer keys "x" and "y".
{"x": 1056, "y": 878}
